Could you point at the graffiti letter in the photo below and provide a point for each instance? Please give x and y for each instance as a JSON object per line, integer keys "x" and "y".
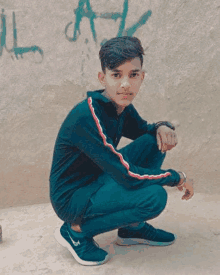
{"x": 80, "y": 12}
{"x": 130, "y": 31}
{"x": 15, "y": 49}
{"x": 3, "y": 33}
{"x": 124, "y": 15}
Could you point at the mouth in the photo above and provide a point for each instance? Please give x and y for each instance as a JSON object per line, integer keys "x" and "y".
{"x": 125, "y": 94}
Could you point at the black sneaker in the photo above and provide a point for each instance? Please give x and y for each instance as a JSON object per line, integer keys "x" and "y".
{"x": 146, "y": 235}
{"x": 85, "y": 250}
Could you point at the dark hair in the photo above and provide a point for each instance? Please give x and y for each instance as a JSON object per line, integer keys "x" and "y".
{"x": 118, "y": 50}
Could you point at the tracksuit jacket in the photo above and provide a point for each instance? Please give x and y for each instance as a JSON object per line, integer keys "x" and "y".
{"x": 86, "y": 147}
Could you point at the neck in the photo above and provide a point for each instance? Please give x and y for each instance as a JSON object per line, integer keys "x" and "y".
{"x": 119, "y": 109}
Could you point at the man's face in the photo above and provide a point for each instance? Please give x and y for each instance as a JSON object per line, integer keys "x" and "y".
{"x": 123, "y": 83}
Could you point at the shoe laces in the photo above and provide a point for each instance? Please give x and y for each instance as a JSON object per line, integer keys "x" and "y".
{"x": 92, "y": 245}
{"x": 95, "y": 243}
{"x": 150, "y": 231}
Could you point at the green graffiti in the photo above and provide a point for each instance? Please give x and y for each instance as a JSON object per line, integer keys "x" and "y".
{"x": 3, "y": 33}
{"x": 15, "y": 49}
{"x": 110, "y": 15}
{"x": 123, "y": 19}
{"x": 80, "y": 12}
{"x": 130, "y": 31}
{"x": 21, "y": 50}
{"x": 15, "y": 32}
{"x": 84, "y": 9}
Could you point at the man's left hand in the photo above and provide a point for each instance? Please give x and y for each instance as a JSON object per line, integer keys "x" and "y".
{"x": 166, "y": 138}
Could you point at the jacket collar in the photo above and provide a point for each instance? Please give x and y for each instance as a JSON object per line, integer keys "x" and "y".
{"x": 98, "y": 95}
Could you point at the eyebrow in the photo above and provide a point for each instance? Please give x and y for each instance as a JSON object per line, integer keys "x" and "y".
{"x": 118, "y": 71}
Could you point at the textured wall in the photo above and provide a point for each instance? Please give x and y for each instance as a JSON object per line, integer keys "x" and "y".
{"x": 182, "y": 44}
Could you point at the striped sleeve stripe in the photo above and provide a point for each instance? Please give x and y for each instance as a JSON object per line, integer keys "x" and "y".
{"x": 124, "y": 163}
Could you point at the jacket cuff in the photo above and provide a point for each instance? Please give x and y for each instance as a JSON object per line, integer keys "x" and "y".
{"x": 175, "y": 178}
{"x": 152, "y": 129}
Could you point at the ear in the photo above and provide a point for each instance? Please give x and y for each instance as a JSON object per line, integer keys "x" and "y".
{"x": 142, "y": 75}
{"x": 101, "y": 78}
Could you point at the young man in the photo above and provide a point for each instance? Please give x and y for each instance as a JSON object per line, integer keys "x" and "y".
{"x": 95, "y": 188}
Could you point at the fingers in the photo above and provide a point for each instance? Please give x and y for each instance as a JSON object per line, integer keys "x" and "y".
{"x": 164, "y": 147}
{"x": 189, "y": 190}
{"x": 188, "y": 195}
{"x": 159, "y": 141}
{"x": 166, "y": 138}
{"x": 180, "y": 188}
{"x": 175, "y": 139}
{"x": 171, "y": 139}
{"x": 162, "y": 141}
{"x": 166, "y": 141}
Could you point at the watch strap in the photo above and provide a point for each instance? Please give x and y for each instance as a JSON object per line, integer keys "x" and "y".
{"x": 164, "y": 123}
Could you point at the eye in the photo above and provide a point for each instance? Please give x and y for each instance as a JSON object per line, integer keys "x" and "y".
{"x": 133, "y": 75}
{"x": 116, "y": 75}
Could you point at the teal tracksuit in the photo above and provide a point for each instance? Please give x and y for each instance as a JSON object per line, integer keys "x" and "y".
{"x": 86, "y": 148}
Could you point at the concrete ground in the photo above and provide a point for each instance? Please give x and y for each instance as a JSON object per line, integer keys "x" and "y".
{"x": 29, "y": 246}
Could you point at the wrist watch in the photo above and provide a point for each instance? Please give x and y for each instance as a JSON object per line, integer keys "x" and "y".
{"x": 165, "y": 123}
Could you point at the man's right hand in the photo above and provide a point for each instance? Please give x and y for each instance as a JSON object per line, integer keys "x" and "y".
{"x": 188, "y": 185}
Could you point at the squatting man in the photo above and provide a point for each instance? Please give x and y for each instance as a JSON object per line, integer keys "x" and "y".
{"x": 96, "y": 188}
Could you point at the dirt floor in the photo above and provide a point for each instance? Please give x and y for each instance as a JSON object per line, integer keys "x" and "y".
{"x": 29, "y": 246}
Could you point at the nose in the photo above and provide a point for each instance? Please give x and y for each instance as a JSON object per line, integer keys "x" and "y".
{"x": 125, "y": 83}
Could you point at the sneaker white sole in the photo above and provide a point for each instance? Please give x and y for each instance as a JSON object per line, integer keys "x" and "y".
{"x": 64, "y": 243}
{"x": 135, "y": 241}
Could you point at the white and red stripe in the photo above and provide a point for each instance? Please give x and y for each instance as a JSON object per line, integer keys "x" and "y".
{"x": 124, "y": 163}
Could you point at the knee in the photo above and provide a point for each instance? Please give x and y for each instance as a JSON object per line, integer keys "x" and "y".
{"x": 160, "y": 198}
{"x": 157, "y": 199}
{"x": 150, "y": 141}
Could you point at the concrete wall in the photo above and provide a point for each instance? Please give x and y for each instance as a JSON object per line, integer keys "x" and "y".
{"x": 182, "y": 45}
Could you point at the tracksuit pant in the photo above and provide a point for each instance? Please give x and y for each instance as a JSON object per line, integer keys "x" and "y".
{"x": 114, "y": 206}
